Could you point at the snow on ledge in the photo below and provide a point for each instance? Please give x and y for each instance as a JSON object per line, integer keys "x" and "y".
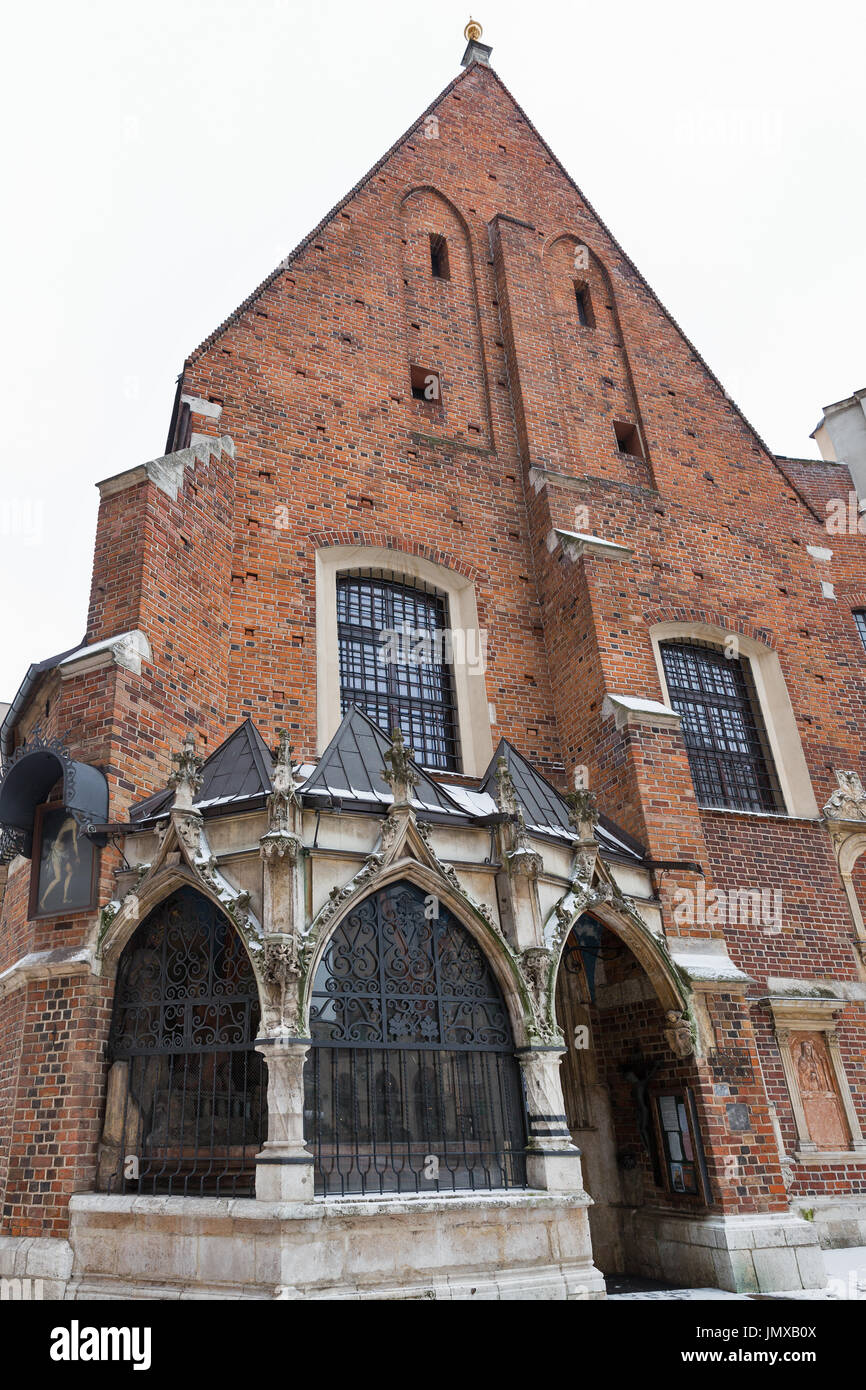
{"x": 633, "y": 709}
{"x": 579, "y": 543}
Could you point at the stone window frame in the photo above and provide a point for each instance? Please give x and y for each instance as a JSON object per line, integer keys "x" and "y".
{"x": 813, "y": 1015}
{"x": 470, "y": 686}
{"x": 775, "y": 705}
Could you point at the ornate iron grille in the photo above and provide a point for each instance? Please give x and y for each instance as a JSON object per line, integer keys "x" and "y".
{"x": 411, "y": 1084}
{"x": 724, "y": 733}
{"x": 394, "y": 662}
{"x": 186, "y": 1109}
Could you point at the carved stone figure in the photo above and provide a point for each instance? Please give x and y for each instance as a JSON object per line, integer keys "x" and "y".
{"x": 849, "y": 802}
{"x": 282, "y": 970}
{"x": 678, "y": 1034}
{"x": 811, "y": 1069}
{"x": 506, "y": 794}
{"x": 283, "y": 798}
{"x": 186, "y": 778}
{"x": 398, "y": 771}
{"x": 535, "y": 963}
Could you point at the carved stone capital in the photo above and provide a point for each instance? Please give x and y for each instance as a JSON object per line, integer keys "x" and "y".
{"x": 524, "y": 861}
{"x": 536, "y": 966}
{"x": 848, "y": 803}
{"x": 277, "y": 845}
{"x": 582, "y": 811}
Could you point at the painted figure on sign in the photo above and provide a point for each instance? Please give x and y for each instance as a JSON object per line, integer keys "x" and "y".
{"x": 62, "y": 861}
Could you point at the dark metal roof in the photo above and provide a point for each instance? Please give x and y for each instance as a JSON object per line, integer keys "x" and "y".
{"x": 350, "y": 769}
{"x": 545, "y": 810}
{"x": 236, "y": 771}
{"x": 349, "y": 772}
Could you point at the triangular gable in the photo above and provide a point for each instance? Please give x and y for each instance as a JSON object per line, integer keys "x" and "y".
{"x": 545, "y": 810}
{"x": 380, "y": 163}
{"x": 240, "y": 768}
{"x": 350, "y": 769}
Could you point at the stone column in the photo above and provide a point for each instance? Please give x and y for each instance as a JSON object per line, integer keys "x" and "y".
{"x": 284, "y": 1168}
{"x": 552, "y": 1160}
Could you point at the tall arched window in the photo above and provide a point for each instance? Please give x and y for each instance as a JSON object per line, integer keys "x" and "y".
{"x": 723, "y": 729}
{"x": 186, "y": 1103}
{"x": 411, "y": 1084}
{"x": 396, "y": 662}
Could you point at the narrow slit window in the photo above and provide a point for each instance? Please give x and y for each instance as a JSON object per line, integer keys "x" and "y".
{"x": 426, "y": 385}
{"x": 584, "y": 307}
{"x": 628, "y": 439}
{"x": 860, "y": 620}
{"x": 439, "y": 263}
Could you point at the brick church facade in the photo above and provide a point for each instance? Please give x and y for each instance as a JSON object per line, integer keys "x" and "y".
{"x": 566, "y": 977}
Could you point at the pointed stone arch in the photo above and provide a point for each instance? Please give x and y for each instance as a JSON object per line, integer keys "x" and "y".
{"x": 647, "y": 949}
{"x": 186, "y": 1014}
{"x": 414, "y": 1045}
{"x": 183, "y": 860}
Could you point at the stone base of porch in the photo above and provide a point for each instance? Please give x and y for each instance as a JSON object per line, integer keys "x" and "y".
{"x": 752, "y": 1253}
{"x": 526, "y": 1245}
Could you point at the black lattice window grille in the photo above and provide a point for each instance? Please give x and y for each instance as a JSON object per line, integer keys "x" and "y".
{"x": 411, "y": 1084}
{"x": 186, "y": 1107}
{"x": 726, "y": 741}
{"x": 396, "y": 661}
{"x": 860, "y": 620}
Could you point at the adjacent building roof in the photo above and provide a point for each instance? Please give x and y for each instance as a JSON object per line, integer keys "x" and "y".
{"x": 19, "y": 700}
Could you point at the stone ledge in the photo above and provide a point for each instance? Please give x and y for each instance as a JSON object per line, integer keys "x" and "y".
{"x": 127, "y": 650}
{"x": 576, "y": 544}
{"x": 633, "y": 709}
{"x": 248, "y": 1209}
{"x": 38, "y": 1258}
{"x": 506, "y": 1245}
{"x": 167, "y": 472}
{"x": 760, "y": 1253}
{"x": 839, "y": 1222}
{"x": 706, "y": 964}
{"x": 830, "y": 1157}
{"x": 44, "y": 965}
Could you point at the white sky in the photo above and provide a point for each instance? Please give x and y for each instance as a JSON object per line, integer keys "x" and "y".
{"x": 158, "y": 161}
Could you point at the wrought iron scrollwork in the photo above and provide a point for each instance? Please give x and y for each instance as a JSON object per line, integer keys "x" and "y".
{"x": 186, "y": 1092}
{"x": 391, "y": 976}
{"x": 412, "y": 1084}
{"x": 12, "y": 843}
